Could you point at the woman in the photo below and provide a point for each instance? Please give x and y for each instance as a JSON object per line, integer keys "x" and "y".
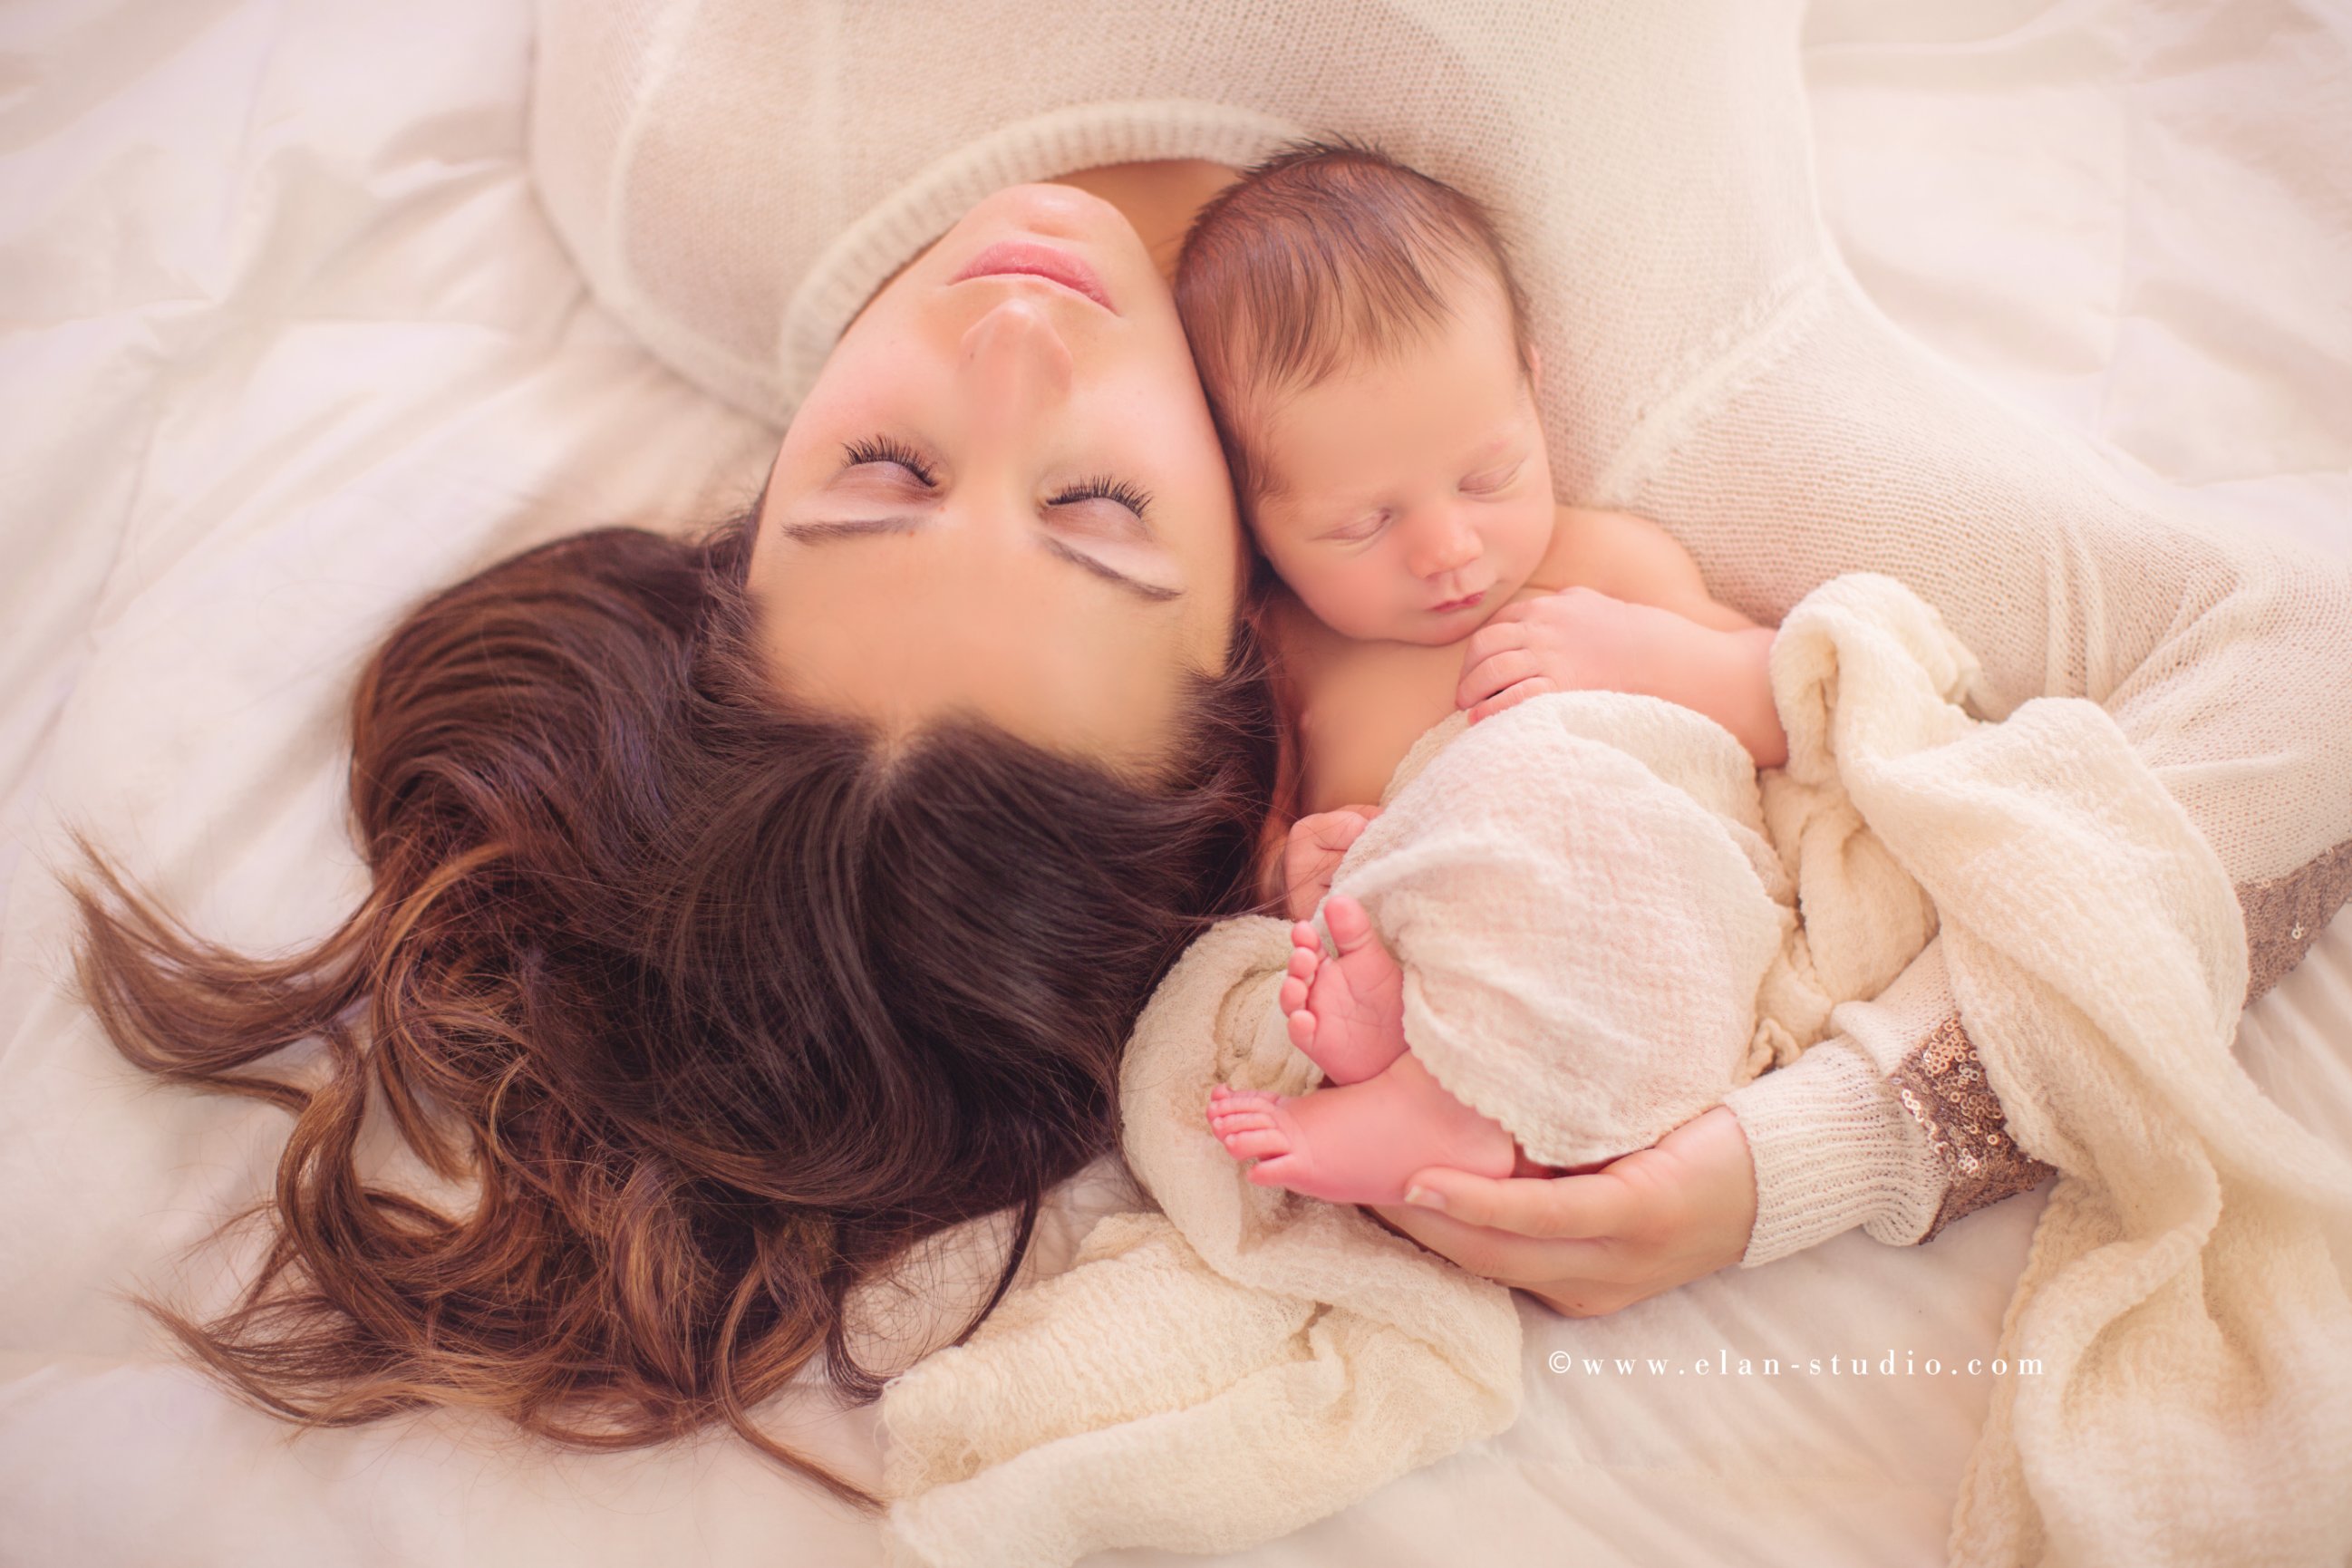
{"x": 735, "y": 942}
{"x": 1713, "y": 366}
{"x": 954, "y": 442}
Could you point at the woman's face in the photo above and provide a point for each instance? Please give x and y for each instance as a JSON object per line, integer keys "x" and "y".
{"x": 1005, "y": 495}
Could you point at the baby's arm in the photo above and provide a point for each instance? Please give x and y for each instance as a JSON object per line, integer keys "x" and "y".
{"x": 1582, "y": 639}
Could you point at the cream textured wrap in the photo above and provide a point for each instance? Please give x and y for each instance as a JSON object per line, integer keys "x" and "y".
{"x": 1244, "y": 1362}
{"x": 1586, "y": 906}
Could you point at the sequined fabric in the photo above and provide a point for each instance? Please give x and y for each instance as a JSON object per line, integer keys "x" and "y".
{"x": 2286, "y": 915}
{"x": 1943, "y": 1087}
{"x": 1942, "y": 1082}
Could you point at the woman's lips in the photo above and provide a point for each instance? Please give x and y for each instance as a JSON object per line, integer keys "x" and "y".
{"x": 1028, "y": 258}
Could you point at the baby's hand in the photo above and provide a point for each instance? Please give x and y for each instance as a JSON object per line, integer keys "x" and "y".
{"x": 1575, "y": 641}
{"x": 1312, "y": 856}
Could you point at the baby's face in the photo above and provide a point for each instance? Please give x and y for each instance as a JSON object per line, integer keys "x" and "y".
{"x": 1409, "y": 500}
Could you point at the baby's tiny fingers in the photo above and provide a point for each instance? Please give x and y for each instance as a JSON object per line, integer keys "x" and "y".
{"x": 1340, "y": 830}
{"x": 1495, "y": 674}
{"x": 1498, "y": 634}
{"x": 1511, "y": 698}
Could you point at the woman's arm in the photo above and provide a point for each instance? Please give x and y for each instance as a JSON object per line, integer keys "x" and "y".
{"x": 2227, "y": 661}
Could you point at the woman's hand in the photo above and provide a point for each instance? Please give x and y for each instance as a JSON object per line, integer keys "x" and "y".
{"x": 1589, "y": 1245}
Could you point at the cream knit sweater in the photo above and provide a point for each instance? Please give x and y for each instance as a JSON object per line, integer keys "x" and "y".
{"x": 735, "y": 180}
{"x": 1225, "y": 1364}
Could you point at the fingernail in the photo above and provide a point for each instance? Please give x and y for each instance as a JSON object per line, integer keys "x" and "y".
{"x": 1423, "y": 1198}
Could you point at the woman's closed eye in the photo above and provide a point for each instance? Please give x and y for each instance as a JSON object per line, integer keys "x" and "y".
{"x": 1104, "y": 504}
{"x": 883, "y": 451}
{"x": 1104, "y": 507}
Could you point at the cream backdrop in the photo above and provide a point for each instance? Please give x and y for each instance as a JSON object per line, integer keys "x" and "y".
{"x": 285, "y": 339}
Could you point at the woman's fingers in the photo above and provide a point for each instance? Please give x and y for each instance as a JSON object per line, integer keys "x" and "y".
{"x": 1591, "y": 1244}
{"x": 1551, "y": 1208}
{"x": 1498, "y": 1255}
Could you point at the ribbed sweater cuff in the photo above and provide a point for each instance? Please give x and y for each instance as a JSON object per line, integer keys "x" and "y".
{"x": 1831, "y": 1145}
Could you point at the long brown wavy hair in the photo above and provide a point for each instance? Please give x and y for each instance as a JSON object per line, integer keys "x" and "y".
{"x": 723, "y": 1004}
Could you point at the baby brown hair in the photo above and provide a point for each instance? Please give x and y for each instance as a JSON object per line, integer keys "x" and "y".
{"x": 1327, "y": 254}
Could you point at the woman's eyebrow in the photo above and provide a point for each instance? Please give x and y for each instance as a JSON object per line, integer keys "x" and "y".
{"x": 1150, "y": 592}
{"x": 820, "y": 532}
{"x": 825, "y": 531}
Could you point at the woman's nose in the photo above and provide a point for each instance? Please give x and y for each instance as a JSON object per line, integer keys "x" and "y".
{"x": 1443, "y": 543}
{"x": 1014, "y": 362}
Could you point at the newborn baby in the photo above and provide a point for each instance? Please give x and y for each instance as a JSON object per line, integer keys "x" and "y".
{"x": 1365, "y": 350}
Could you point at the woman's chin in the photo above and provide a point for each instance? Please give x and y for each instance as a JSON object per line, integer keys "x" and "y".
{"x": 1047, "y": 211}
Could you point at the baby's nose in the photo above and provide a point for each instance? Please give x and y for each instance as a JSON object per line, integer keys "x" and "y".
{"x": 1445, "y": 543}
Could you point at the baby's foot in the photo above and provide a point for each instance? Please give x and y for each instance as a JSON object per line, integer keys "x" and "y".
{"x": 1347, "y": 1013}
{"x": 1358, "y": 1143}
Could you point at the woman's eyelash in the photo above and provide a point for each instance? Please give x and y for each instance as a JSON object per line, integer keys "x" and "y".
{"x": 883, "y": 449}
{"x": 1133, "y": 496}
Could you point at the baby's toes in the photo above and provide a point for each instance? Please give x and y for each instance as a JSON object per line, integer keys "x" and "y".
{"x": 1258, "y": 1143}
{"x": 1349, "y": 922}
{"x": 1294, "y": 994}
{"x": 1241, "y": 1109}
{"x": 1303, "y": 1028}
{"x": 1277, "y": 1172}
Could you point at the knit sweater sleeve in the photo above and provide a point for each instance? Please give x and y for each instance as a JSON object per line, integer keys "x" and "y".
{"x": 2221, "y": 658}
{"x": 1889, "y": 1124}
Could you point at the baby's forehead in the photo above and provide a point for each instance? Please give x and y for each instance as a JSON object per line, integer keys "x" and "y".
{"x": 1383, "y": 425}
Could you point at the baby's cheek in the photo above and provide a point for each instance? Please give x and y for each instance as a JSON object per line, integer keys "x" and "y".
{"x": 1361, "y": 604}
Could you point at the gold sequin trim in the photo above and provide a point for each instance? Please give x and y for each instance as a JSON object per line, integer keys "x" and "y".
{"x": 1943, "y": 1086}
{"x": 1942, "y": 1081}
{"x": 2286, "y": 915}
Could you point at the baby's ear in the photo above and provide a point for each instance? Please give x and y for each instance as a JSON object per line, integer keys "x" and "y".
{"x": 1535, "y": 373}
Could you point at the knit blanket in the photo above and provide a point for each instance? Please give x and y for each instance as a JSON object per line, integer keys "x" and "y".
{"x": 1240, "y": 1361}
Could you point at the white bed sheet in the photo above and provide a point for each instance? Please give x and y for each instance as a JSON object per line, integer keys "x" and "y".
{"x": 286, "y": 342}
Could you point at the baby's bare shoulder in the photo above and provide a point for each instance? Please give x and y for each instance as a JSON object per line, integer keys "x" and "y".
{"x": 1629, "y": 558}
{"x": 1612, "y": 551}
